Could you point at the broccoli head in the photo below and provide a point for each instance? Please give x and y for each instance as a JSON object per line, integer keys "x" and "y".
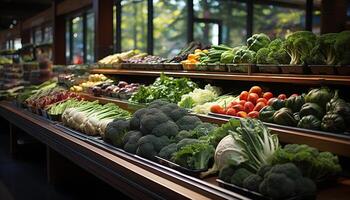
{"x": 252, "y": 182}
{"x": 177, "y": 113}
{"x": 152, "y": 118}
{"x": 130, "y": 141}
{"x": 244, "y": 56}
{"x": 298, "y": 45}
{"x": 203, "y": 129}
{"x": 115, "y": 132}
{"x": 342, "y": 47}
{"x": 314, "y": 165}
{"x": 239, "y": 175}
{"x": 148, "y": 146}
{"x": 285, "y": 181}
{"x": 136, "y": 118}
{"x": 262, "y": 56}
{"x": 226, "y": 173}
{"x": 182, "y": 135}
{"x": 258, "y": 41}
{"x": 168, "y": 108}
{"x": 168, "y": 151}
{"x": 277, "y": 54}
{"x": 263, "y": 169}
{"x": 194, "y": 156}
{"x": 188, "y": 122}
{"x": 168, "y": 128}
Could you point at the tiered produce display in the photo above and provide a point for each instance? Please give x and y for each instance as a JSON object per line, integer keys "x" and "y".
{"x": 242, "y": 150}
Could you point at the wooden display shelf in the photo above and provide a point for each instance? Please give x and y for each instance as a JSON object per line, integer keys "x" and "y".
{"x": 131, "y": 174}
{"x": 334, "y": 143}
{"x": 258, "y": 77}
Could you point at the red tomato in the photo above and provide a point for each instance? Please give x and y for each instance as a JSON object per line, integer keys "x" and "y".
{"x": 259, "y": 106}
{"x": 253, "y": 114}
{"x": 270, "y": 101}
{"x": 252, "y": 97}
{"x": 248, "y": 106}
{"x": 242, "y": 102}
{"x": 215, "y": 109}
{"x": 243, "y": 95}
{"x": 242, "y": 114}
{"x": 294, "y": 95}
{"x": 261, "y": 100}
{"x": 233, "y": 103}
{"x": 282, "y": 96}
{"x": 256, "y": 89}
{"x": 231, "y": 111}
{"x": 238, "y": 107}
{"x": 267, "y": 95}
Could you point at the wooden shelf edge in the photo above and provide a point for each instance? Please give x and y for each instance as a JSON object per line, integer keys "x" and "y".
{"x": 259, "y": 77}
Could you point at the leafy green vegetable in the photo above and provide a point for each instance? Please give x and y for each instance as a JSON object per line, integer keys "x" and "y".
{"x": 167, "y": 88}
{"x": 314, "y": 165}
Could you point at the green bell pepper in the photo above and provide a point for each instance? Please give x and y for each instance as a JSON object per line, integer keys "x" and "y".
{"x": 284, "y": 116}
{"x": 310, "y": 122}
{"x": 295, "y": 103}
{"x": 278, "y": 104}
{"x": 333, "y": 122}
{"x": 266, "y": 114}
{"x": 311, "y": 109}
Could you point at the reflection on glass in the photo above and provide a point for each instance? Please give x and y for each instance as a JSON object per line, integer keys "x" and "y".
{"x": 90, "y": 37}
{"x": 232, "y": 15}
{"x": 48, "y": 34}
{"x": 169, "y": 26}
{"x": 77, "y": 40}
{"x": 17, "y": 43}
{"x": 277, "y": 21}
{"x": 38, "y": 36}
{"x": 67, "y": 42}
{"x": 207, "y": 33}
{"x": 134, "y": 25}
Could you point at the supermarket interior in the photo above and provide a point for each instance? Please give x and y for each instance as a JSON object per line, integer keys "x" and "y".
{"x": 175, "y": 99}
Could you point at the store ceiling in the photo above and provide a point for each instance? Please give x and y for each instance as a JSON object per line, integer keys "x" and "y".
{"x": 12, "y": 11}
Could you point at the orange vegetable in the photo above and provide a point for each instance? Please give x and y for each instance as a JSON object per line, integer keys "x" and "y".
{"x": 256, "y": 89}
{"x": 243, "y": 95}
{"x": 242, "y": 114}
{"x": 253, "y": 97}
{"x": 259, "y": 106}
{"x": 253, "y": 114}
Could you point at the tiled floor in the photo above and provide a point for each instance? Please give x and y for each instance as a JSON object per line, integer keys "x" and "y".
{"x": 24, "y": 178}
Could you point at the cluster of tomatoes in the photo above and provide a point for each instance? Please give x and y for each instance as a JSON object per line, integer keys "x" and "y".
{"x": 249, "y": 104}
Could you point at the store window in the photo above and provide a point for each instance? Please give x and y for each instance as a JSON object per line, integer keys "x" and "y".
{"x": 17, "y": 44}
{"x": 77, "y": 41}
{"x": 90, "y": 37}
{"x": 220, "y": 21}
{"x": 134, "y": 25}
{"x": 169, "y": 24}
{"x": 38, "y": 36}
{"x": 277, "y": 21}
{"x": 48, "y": 34}
{"x": 80, "y": 38}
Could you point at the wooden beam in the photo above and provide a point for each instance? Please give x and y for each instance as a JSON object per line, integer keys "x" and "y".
{"x": 59, "y": 37}
{"x": 333, "y": 16}
{"x": 103, "y": 10}
{"x": 69, "y": 6}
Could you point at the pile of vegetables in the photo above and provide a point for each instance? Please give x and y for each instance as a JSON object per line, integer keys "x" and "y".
{"x": 92, "y": 118}
{"x": 185, "y": 52}
{"x": 121, "y": 90}
{"x": 93, "y": 79}
{"x": 320, "y": 109}
{"x": 222, "y": 101}
{"x": 199, "y": 96}
{"x": 59, "y": 107}
{"x": 166, "y": 130}
{"x": 117, "y": 59}
{"x": 167, "y": 88}
{"x": 249, "y": 104}
{"x": 34, "y": 89}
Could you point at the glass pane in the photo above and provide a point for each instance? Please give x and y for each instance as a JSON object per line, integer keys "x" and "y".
{"x": 90, "y": 37}
{"x": 67, "y": 42}
{"x": 114, "y": 25}
{"x": 207, "y": 33}
{"x": 134, "y": 25}
{"x": 78, "y": 43}
{"x": 48, "y": 34}
{"x": 232, "y": 15}
{"x": 277, "y": 21}
{"x": 17, "y": 43}
{"x": 38, "y": 36}
{"x": 169, "y": 26}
